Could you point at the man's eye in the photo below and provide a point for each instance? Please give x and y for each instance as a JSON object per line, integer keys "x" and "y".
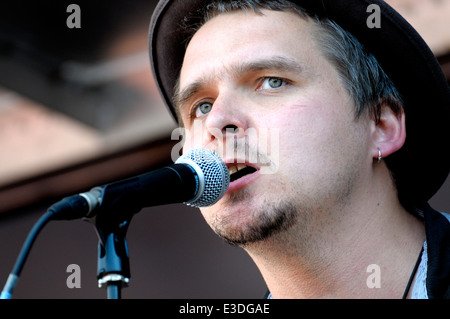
{"x": 203, "y": 109}
{"x": 272, "y": 83}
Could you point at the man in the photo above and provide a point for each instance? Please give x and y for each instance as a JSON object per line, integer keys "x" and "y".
{"x": 360, "y": 114}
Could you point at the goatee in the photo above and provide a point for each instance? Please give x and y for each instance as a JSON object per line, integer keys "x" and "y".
{"x": 267, "y": 221}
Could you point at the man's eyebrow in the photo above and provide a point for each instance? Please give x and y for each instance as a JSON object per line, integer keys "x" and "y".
{"x": 279, "y": 63}
{"x": 182, "y": 96}
{"x": 273, "y": 63}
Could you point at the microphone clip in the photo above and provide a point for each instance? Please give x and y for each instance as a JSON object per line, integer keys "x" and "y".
{"x": 113, "y": 264}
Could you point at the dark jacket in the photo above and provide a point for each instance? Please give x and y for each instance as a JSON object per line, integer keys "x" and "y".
{"x": 438, "y": 241}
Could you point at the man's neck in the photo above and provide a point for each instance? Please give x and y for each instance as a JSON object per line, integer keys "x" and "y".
{"x": 369, "y": 253}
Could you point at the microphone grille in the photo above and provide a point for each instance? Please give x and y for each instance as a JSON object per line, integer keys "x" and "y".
{"x": 213, "y": 174}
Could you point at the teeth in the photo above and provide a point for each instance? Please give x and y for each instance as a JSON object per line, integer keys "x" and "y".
{"x": 232, "y": 169}
{"x": 236, "y": 168}
{"x": 241, "y": 166}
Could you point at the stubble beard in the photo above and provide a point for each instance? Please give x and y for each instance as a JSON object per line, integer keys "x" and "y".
{"x": 255, "y": 226}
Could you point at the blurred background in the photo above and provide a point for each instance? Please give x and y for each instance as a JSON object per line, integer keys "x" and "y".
{"x": 79, "y": 108}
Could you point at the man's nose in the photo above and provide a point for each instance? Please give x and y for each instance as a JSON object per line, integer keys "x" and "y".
{"x": 227, "y": 118}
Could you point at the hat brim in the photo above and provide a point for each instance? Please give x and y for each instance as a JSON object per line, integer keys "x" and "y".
{"x": 422, "y": 165}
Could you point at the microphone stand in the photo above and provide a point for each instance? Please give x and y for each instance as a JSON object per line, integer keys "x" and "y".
{"x": 113, "y": 265}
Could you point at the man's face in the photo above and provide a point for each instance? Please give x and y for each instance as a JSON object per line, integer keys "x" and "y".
{"x": 265, "y": 74}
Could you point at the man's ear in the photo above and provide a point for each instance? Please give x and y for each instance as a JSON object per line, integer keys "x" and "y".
{"x": 389, "y": 133}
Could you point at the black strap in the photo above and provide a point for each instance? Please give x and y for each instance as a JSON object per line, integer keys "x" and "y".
{"x": 413, "y": 274}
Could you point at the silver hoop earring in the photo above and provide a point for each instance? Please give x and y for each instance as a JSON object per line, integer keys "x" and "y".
{"x": 379, "y": 155}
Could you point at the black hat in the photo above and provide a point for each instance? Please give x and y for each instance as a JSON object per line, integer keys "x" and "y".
{"x": 421, "y": 166}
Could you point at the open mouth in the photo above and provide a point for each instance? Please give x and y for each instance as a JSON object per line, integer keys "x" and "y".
{"x": 240, "y": 170}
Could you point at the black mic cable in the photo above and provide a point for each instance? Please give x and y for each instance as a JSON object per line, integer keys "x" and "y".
{"x": 27, "y": 245}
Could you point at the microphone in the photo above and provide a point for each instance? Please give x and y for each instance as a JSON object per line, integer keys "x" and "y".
{"x": 199, "y": 179}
